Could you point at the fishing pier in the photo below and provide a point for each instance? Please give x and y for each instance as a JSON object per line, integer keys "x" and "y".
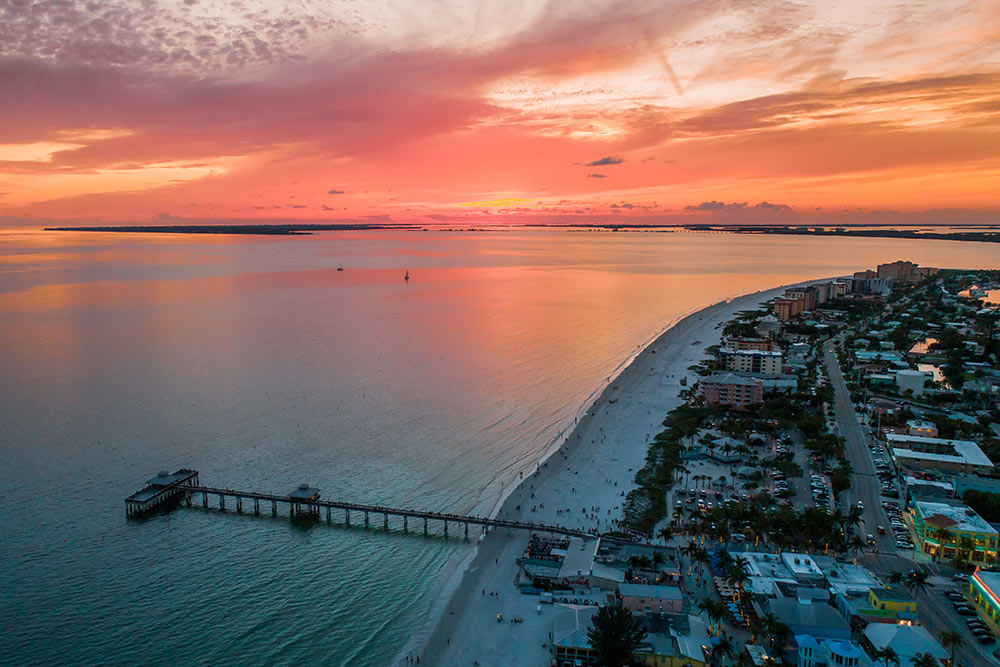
{"x": 168, "y": 490}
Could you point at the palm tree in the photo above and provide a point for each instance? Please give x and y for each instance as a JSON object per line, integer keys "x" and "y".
{"x": 855, "y": 516}
{"x": 767, "y": 624}
{"x": 924, "y": 660}
{"x": 953, "y": 640}
{"x": 725, "y": 648}
{"x": 780, "y": 634}
{"x": 666, "y": 533}
{"x": 944, "y": 537}
{"x": 702, "y": 558}
{"x": 658, "y": 558}
{"x": 917, "y": 582}
{"x": 689, "y": 550}
{"x": 886, "y": 655}
{"x": 614, "y": 634}
{"x": 737, "y": 575}
{"x": 857, "y": 544}
{"x": 896, "y": 578}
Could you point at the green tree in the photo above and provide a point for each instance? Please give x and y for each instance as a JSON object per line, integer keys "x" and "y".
{"x": 952, "y": 640}
{"x": 886, "y": 655}
{"x": 924, "y": 660}
{"x": 614, "y": 635}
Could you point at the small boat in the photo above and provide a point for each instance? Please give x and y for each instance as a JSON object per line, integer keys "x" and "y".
{"x": 407, "y": 276}
{"x": 340, "y": 268}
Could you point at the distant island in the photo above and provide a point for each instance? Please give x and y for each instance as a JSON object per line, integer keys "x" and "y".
{"x": 297, "y": 229}
{"x": 271, "y": 230}
{"x": 987, "y": 237}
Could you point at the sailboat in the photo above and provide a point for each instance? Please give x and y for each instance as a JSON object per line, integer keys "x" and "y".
{"x": 407, "y": 276}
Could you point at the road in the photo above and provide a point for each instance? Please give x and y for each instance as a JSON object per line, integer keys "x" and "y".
{"x": 934, "y": 609}
{"x": 865, "y": 485}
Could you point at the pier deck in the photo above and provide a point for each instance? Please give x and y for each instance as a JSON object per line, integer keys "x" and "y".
{"x": 305, "y": 500}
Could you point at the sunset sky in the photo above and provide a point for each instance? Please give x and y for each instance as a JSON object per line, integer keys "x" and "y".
{"x": 189, "y": 110}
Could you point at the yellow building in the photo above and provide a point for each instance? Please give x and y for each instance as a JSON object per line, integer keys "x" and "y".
{"x": 953, "y": 531}
{"x": 893, "y": 602}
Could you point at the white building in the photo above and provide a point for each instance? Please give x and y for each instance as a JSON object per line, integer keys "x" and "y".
{"x": 906, "y": 640}
{"x": 951, "y": 455}
{"x": 753, "y": 361}
{"x": 912, "y": 380}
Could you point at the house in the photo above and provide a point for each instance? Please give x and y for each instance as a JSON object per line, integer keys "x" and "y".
{"x": 651, "y": 599}
{"x": 814, "y": 652}
{"x": 892, "y": 604}
{"x": 673, "y": 640}
{"x": 803, "y": 617}
{"x": 906, "y": 640}
{"x": 570, "y": 644}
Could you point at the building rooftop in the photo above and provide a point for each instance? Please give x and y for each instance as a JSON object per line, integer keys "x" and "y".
{"x": 579, "y": 558}
{"x": 650, "y": 591}
{"x": 750, "y": 353}
{"x": 730, "y": 378}
{"x": 570, "y": 627}
{"x": 895, "y": 593}
{"x": 990, "y": 579}
{"x": 905, "y": 640}
{"x": 816, "y": 615}
{"x": 850, "y": 578}
{"x": 953, "y": 517}
{"x": 962, "y": 451}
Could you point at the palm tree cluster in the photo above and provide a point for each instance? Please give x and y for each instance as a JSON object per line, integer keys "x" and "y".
{"x": 784, "y": 528}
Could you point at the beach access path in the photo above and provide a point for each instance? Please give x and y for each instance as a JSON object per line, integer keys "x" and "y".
{"x": 583, "y": 484}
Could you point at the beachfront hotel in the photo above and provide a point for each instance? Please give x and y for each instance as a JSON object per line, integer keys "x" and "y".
{"x": 945, "y": 530}
{"x": 732, "y": 390}
{"x": 767, "y": 362}
{"x": 787, "y": 309}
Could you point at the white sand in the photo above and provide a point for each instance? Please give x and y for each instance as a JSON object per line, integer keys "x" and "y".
{"x": 593, "y": 468}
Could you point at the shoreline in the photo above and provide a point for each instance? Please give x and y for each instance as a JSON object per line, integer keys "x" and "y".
{"x": 470, "y": 569}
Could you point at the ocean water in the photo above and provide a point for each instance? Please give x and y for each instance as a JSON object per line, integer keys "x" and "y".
{"x": 254, "y": 361}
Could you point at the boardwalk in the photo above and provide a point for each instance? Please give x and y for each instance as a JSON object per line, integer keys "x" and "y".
{"x": 306, "y": 501}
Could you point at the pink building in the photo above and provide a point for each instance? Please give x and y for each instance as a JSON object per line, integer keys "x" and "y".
{"x": 732, "y": 390}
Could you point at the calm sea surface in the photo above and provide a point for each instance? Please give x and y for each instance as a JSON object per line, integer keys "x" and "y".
{"x": 253, "y": 360}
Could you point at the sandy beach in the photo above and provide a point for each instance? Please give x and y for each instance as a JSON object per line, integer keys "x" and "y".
{"x": 581, "y": 484}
